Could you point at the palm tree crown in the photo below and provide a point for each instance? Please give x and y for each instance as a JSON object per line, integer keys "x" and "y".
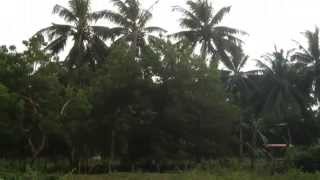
{"x": 87, "y": 39}
{"x": 280, "y": 91}
{"x": 132, "y": 23}
{"x": 237, "y": 80}
{"x": 202, "y": 27}
{"x": 308, "y": 61}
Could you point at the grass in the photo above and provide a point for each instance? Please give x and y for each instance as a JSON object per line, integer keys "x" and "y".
{"x": 292, "y": 175}
{"x": 207, "y": 172}
{"x": 194, "y": 175}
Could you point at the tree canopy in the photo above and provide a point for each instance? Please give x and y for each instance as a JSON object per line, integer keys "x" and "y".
{"x": 131, "y": 93}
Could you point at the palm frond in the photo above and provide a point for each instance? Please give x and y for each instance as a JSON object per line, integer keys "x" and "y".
{"x": 120, "y": 41}
{"x": 152, "y": 29}
{"x": 243, "y": 62}
{"x": 189, "y": 23}
{"x": 65, "y": 13}
{"x": 115, "y": 18}
{"x": 232, "y": 41}
{"x": 118, "y": 31}
{"x": 264, "y": 66}
{"x": 58, "y": 44}
{"x": 188, "y": 17}
{"x": 121, "y": 6}
{"x": 252, "y": 72}
{"x": 227, "y": 43}
{"x": 99, "y": 14}
{"x": 132, "y": 12}
{"x": 201, "y": 9}
{"x": 220, "y": 15}
{"x": 102, "y": 32}
{"x": 224, "y": 30}
{"x": 227, "y": 61}
{"x": 302, "y": 58}
{"x": 56, "y": 30}
{"x": 144, "y": 18}
{"x": 303, "y": 49}
{"x": 190, "y": 35}
{"x": 74, "y": 56}
{"x": 313, "y": 42}
{"x": 80, "y": 8}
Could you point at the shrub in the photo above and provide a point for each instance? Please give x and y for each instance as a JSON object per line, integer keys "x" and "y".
{"x": 305, "y": 158}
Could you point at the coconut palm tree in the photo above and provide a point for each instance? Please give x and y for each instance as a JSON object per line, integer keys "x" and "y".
{"x": 88, "y": 46}
{"x": 276, "y": 96}
{"x": 239, "y": 84}
{"x": 279, "y": 91}
{"x": 308, "y": 62}
{"x": 132, "y": 23}
{"x": 202, "y": 27}
{"x": 237, "y": 80}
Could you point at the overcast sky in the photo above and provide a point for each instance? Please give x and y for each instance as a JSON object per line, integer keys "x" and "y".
{"x": 268, "y": 22}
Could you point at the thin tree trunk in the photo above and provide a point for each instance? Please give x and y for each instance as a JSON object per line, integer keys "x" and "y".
{"x": 254, "y": 145}
{"x": 37, "y": 150}
{"x": 72, "y": 158}
{"x": 86, "y": 159}
{"x": 112, "y": 148}
{"x": 134, "y": 45}
{"x": 198, "y": 148}
{"x": 240, "y": 140}
{"x": 289, "y": 137}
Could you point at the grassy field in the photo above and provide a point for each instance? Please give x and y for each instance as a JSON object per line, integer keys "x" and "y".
{"x": 218, "y": 174}
{"x": 293, "y": 175}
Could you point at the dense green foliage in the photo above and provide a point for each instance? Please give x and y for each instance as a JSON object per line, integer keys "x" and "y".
{"x": 127, "y": 95}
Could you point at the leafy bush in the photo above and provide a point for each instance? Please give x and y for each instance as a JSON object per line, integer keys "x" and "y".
{"x": 305, "y": 158}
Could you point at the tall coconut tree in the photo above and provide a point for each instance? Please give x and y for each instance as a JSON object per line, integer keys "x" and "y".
{"x": 202, "y": 26}
{"x": 307, "y": 60}
{"x": 279, "y": 91}
{"x": 238, "y": 83}
{"x": 279, "y": 98}
{"x": 276, "y": 95}
{"x": 88, "y": 45}
{"x": 131, "y": 21}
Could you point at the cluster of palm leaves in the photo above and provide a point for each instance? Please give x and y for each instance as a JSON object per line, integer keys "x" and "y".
{"x": 282, "y": 81}
{"x": 200, "y": 25}
{"x": 89, "y": 41}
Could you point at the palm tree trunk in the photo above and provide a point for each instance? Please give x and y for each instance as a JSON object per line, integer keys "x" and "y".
{"x": 37, "y": 150}
{"x": 198, "y": 148}
{"x": 72, "y": 159}
{"x": 289, "y": 137}
{"x": 134, "y": 45}
{"x": 204, "y": 51}
{"x": 111, "y": 150}
{"x": 254, "y": 145}
{"x": 240, "y": 140}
